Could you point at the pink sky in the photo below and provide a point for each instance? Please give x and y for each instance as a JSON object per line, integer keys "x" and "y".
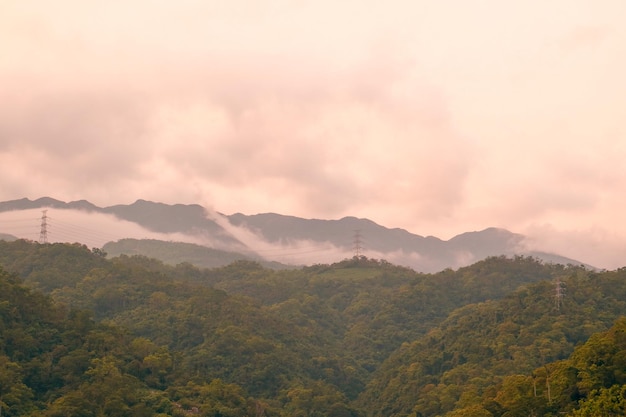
{"x": 439, "y": 117}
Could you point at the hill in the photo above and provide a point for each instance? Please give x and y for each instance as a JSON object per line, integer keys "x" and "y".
{"x": 472, "y": 352}
{"x": 7, "y": 237}
{"x": 361, "y": 337}
{"x": 174, "y": 253}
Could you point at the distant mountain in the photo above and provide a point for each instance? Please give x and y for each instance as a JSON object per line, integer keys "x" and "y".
{"x": 7, "y": 237}
{"x": 425, "y": 254}
{"x": 157, "y": 217}
{"x": 268, "y": 235}
{"x": 178, "y": 218}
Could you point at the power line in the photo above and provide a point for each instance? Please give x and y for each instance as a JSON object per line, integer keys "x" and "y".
{"x": 82, "y": 231}
{"x": 52, "y": 228}
{"x": 20, "y": 220}
{"x": 280, "y": 250}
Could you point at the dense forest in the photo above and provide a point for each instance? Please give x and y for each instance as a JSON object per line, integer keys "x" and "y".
{"x": 83, "y": 334}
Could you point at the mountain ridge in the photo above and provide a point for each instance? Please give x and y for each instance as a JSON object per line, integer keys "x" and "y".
{"x": 271, "y": 235}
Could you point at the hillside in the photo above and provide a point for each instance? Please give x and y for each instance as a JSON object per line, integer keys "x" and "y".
{"x": 7, "y": 237}
{"x": 479, "y": 345}
{"x": 359, "y": 337}
{"x": 174, "y": 253}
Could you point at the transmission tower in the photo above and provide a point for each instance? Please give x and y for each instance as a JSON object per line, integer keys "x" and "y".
{"x": 358, "y": 244}
{"x": 43, "y": 234}
{"x": 559, "y": 293}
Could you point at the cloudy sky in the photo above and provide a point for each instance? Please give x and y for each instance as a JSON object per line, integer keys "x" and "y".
{"x": 439, "y": 117}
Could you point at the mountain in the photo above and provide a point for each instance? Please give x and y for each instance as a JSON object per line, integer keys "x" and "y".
{"x": 156, "y": 217}
{"x": 295, "y": 240}
{"x": 7, "y": 237}
{"x": 426, "y": 254}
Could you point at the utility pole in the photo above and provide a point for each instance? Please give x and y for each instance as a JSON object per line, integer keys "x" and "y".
{"x": 43, "y": 234}
{"x": 358, "y": 248}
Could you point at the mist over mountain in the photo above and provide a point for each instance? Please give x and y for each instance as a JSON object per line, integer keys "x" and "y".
{"x": 7, "y": 237}
{"x": 267, "y": 236}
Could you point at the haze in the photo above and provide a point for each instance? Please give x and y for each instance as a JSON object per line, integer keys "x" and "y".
{"x": 437, "y": 117}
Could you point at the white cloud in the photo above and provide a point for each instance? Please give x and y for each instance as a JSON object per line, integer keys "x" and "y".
{"x": 439, "y": 117}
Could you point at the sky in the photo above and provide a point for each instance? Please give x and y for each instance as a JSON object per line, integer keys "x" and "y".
{"x": 439, "y": 117}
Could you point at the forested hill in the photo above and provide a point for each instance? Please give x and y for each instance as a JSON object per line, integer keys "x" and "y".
{"x": 132, "y": 336}
{"x": 463, "y": 363}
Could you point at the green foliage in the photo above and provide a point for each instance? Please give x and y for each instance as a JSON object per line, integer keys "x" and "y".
{"x": 505, "y": 350}
{"x": 85, "y": 335}
{"x": 48, "y": 266}
{"x": 174, "y": 253}
{"x": 605, "y": 402}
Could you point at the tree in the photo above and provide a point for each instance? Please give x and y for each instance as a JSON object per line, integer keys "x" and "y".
{"x": 15, "y": 397}
{"x": 605, "y": 402}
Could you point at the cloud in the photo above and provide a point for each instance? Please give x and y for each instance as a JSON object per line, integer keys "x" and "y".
{"x": 500, "y": 114}
{"x": 91, "y": 229}
{"x": 281, "y": 119}
{"x": 595, "y": 246}
{"x": 584, "y": 37}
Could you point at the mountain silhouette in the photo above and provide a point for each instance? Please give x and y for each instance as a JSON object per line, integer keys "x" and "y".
{"x": 425, "y": 254}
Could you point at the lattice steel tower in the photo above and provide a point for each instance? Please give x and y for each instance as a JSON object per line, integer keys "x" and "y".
{"x": 358, "y": 247}
{"x": 43, "y": 233}
{"x": 559, "y": 293}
